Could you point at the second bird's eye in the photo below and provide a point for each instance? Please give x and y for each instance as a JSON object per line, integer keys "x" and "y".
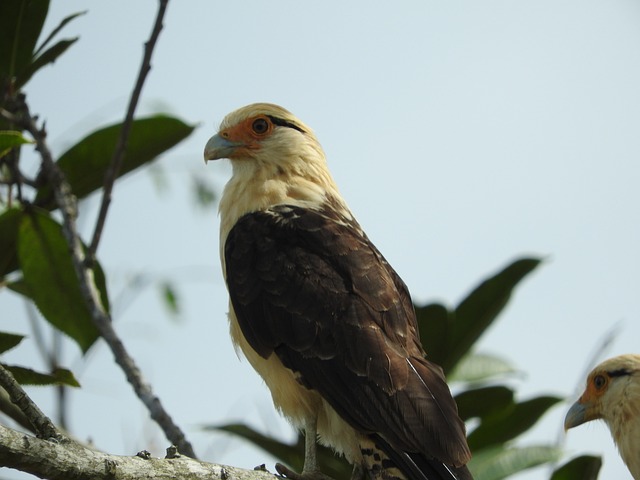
{"x": 599, "y": 381}
{"x": 260, "y": 126}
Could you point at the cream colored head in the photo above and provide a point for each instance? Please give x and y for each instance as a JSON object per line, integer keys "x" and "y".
{"x": 613, "y": 395}
{"x": 276, "y": 160}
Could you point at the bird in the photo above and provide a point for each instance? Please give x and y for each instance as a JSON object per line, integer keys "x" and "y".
{"x": 612, "y": 394}
{"x": 321, "y": 315}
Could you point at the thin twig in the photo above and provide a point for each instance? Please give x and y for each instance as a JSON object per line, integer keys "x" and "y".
{"x": 118, "y": 154}
{"x": 66, "y": 202}
{"x": 40, "y": 422}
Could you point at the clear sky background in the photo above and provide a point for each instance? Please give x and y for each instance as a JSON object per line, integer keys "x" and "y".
{"x": 462, "y": 134}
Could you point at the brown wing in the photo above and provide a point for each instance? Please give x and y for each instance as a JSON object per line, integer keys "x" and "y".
{"x": 313, "y": 289}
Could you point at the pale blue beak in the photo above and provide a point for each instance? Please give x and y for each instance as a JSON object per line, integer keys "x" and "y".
{"x": 577, "y": 415}
{"x": 219, "y": 147}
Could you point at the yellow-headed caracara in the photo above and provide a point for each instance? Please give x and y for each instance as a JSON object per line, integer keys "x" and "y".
{"x": 613, "y": 395}
{"x": 321, "y": 315}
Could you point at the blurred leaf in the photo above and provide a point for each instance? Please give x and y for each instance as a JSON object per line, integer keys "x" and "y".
{"x": 448, "y": 336}
{"x": 433, "y": 322}
{"x": 585, "y": 467}
{"x": 9, "y": 340}
{"x": 9, "y": 224}
{"x": 86, "y": 163}
{"x": 26, "y": 376}
{"x": 482, "y": 402}
{"x": 509, "y": 423}
{"x": 51, "y": 281}
{"x": 47, "y": 57}
{"x": 481, "y": 307}
{"x": 291, "y": 455}
{"x": 21, "y": 22}
{"x": 500, "y": 462}
{"x": 57, "y": 30}
{"x": 170, "y": 297}
{"x": 205, "y": 195}
{"x": 477, "y": 367}
{"x": 10, "y": 139}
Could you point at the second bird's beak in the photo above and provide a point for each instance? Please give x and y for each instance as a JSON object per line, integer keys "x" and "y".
{"x": 219, "y": 147}
{"x": 577, "y": 415}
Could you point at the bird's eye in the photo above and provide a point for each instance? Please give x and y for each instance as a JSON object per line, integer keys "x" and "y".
{"x": 599, "y": 381}
{"x": 260, "y": 126}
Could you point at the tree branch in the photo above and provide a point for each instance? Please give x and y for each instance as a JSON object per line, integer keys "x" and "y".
{"x": 66, "y": 202}
{"x": 118, "y": 154}
{"x": 68, "y": 460}
{"x": 40, "y": 422}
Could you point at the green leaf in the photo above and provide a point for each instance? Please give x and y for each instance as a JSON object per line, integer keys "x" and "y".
{"x": 9, "y": 224}
{"x": 481, "y": 307}
{"x": 448, "y": 336}
{"x": 47, "y": 57}
{"x": 585, "y": 467}
{"x": 57, "y": 30}
{"x": 482, "y": 402}
{"x": 86, "y": 163}
{"x": 510, "y": 422}
{"x": 433, "y": 322}
{"x": 478, "y": 367}
{"x": 170, "y": 297}
{"x": 26, "y": 376}
{"x": 10, "y": 139}
{"x": 500, "y": 462}
{"x": 291, "y": 455}
{"x": 51, "y": 281}
{"x": 9, "y": 340}
{"x": 21, "y": 22}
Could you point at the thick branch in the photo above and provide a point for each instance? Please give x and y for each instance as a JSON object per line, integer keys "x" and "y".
{"x": 118, "y": 154}
{"x": 68, "y": 460}
{"x": 67, "y": 204}
{"x": 39, "y": 421}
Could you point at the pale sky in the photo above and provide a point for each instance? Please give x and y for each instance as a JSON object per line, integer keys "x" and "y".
{"x": 462, "y": 134}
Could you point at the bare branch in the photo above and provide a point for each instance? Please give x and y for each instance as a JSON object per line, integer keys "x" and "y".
{"x": 40, "y": 422}
{"x": 67, "y": 204}
{"x": 68, "y": 460}
{"x": 118, "y": 154}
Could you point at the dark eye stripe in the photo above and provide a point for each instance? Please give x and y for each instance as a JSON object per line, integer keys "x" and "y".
{"x": 283, "y": 123}
{"x": 619, "y": 373}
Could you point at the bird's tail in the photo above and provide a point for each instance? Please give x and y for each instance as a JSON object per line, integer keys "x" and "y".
{"x": 386, "y": 463}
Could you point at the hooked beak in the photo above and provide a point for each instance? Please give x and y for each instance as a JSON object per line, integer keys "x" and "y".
{"x": 219, "y": 147}
{"x": 577, "y": 415}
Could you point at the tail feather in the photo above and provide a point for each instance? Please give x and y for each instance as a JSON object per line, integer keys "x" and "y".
{"x": 411, "y": 466}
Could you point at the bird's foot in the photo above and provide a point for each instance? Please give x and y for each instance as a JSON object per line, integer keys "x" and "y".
{"x": 305, "y": 475}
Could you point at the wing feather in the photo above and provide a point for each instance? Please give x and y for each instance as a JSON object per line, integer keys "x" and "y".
{"x": 310, "y": 287}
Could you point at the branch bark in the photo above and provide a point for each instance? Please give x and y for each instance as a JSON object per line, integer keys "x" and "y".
{"x": 69, "y": 460}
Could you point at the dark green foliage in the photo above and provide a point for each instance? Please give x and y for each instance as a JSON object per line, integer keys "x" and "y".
{"x": 585, "y": 467}
{"x": 448, "y": 335}
{"x": 26, "y": 376}
{"x": 508, "y": 423}
{"x": 49, "y": 278}
{"x": 86, "y": 163}
{"x": 9, "y": 340}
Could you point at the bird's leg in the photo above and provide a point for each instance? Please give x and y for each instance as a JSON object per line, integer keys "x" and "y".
{"x": 310, "y": 471}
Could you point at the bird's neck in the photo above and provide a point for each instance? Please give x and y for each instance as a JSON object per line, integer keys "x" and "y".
{"x": 624, "y": 423}
{"x": 256, "y": 187}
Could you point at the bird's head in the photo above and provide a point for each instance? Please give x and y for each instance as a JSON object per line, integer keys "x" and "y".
{"x": 612, "y": 393}
{"x": 266, "y": 137}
